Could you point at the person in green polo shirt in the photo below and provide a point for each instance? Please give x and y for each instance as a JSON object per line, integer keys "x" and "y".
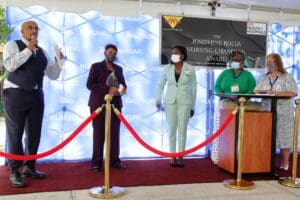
{"x": 235, "y": 80}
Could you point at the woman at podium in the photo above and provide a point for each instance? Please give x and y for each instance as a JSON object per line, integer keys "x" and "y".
{"x": 278, "y": 82}
{"x": 235, "y": 80}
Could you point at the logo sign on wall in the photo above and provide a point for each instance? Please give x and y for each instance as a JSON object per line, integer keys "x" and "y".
{"x": 209, "y": 42}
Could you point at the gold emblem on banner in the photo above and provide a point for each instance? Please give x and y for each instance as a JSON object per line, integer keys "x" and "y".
{"x": 173, "y": 21}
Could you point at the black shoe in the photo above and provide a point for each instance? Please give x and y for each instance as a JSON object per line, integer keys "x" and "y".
{"x": 180, "y": 165}
{"x": 172, "y": 164}
{"x": 119, "y": 165}
{"x": 96, "y": 168}
{"x": 16, "y": 180}
{"x": 29, "y": 172}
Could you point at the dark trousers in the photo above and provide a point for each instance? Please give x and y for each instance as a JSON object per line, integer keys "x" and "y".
{"x": 99, "y": 138}
{"x": 23, "y": 111}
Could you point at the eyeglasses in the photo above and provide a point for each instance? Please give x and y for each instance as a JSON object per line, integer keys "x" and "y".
{"x": 33, "y": 27}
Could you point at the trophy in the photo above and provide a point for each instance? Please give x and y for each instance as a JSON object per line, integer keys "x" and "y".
{"x": 112, "y": 81}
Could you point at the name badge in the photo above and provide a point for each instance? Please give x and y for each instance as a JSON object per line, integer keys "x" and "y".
{"x": 235, "y": 88}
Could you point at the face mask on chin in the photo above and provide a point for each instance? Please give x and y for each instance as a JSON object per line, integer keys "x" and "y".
{"x": 235, "y": 65}
{"x": 175, "y": 58}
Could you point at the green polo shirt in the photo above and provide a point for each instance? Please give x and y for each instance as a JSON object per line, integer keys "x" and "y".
{"x": 228, "y": 82}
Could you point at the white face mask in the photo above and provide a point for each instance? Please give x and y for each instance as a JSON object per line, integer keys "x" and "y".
{"x": 235, "y": 65}
{"x": 175, "y": 58}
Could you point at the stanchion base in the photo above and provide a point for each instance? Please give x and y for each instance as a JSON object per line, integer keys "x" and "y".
{"x": 238, "y": 185}
{"x": 287, "y": 181}
{"x": 113, "y": 192}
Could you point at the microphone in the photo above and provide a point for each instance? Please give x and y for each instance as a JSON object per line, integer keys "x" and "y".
{"x": 35, "y": 48}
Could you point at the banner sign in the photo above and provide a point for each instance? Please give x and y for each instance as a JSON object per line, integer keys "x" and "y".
{"x": 209, "y": 42}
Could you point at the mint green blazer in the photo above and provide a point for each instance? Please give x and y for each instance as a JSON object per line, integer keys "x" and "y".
{"x": 182, "y": 92}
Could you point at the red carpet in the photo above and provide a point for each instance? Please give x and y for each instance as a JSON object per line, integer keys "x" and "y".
{"x": 76, "y": 175}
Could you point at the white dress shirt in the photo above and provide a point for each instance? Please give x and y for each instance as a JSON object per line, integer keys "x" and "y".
{"x": 13, "y": 59}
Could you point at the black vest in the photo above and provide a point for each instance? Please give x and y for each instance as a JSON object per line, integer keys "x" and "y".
{"x": 31, "y": 73}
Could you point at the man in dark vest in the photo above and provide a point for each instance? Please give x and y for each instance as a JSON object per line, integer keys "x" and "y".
{"x": 23, "y": 96}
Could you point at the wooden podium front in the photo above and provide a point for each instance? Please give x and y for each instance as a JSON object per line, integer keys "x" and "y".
{"x": 257, "y": 142}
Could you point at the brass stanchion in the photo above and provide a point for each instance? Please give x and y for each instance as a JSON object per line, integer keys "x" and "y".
{"x": 294, "y": 181}
{"x": 240, "y": 184}
{"x": 107, "y": 192}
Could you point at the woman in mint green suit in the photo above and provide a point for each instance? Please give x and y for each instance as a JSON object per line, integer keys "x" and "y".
{"x": 179, "y": 99}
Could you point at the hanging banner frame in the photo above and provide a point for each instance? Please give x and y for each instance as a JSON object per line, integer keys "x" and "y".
{"x": 209, "y": 41}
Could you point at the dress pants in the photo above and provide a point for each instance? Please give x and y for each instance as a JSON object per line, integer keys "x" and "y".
{"x": 23, "y": 111}
{"x": 177, "y": 117}
{"x": 99, "y": 138}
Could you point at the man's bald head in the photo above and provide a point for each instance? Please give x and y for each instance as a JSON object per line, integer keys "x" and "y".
{"x": 28, "y": 29}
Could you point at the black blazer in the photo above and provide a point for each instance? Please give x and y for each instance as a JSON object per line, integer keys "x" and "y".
{"x": 96, "y": 83}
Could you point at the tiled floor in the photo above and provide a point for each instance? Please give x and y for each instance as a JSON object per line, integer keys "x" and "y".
{"x": 264, "y": 190}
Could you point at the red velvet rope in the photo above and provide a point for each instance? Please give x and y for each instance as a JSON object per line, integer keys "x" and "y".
{"x": 54, "y": 149}
{"x": 178, "y": 154}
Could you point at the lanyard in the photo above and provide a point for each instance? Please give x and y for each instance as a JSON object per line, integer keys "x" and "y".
{"x": 272, "y": 82}
{"x": 235, "y": 76}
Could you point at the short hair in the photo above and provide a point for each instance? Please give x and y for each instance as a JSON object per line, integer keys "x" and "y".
{"x": 237, "y": 52}
{"x": 111, "y": 46}
{"x": 182, "y": 50}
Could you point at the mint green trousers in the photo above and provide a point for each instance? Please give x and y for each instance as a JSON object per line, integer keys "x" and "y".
{"x": 177, "y": 117}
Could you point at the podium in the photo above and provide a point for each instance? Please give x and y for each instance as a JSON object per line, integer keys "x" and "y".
{"x": 259, "y": 138}
{"x": 257, "y": 142}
